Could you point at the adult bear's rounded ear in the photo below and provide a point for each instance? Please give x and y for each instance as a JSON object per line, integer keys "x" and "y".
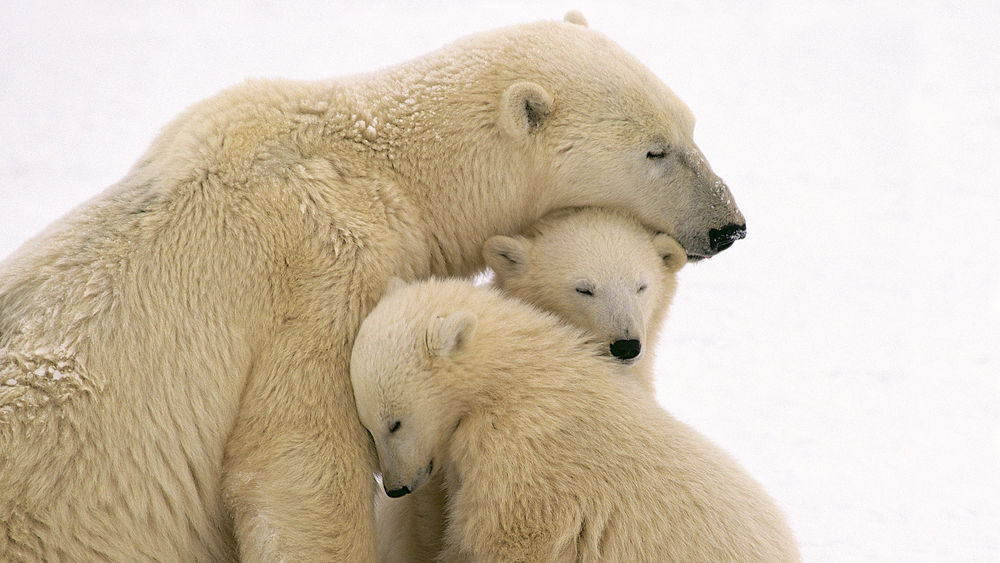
{"x": 671, "y": 252}
{"x": 447, "y": 335}
{"x": 506, "y": 255}
{"x": 575, "y": 17}
{"x": 524, "y": 109}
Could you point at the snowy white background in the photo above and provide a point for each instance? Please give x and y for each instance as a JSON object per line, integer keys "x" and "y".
{"x": 847, "y": 352}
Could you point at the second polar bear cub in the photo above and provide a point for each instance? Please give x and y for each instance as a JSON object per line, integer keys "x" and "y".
{"x": 598, "y": 269}
{"x": 545, "y": 454}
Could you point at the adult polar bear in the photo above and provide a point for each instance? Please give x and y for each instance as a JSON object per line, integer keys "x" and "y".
{"x": 174, "y": 354}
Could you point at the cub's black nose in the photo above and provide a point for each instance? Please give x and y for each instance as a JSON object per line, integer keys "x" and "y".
{"x": 625, "y": 349}
{"x": 396, "y": 493}
{"x": 721, "y": 239}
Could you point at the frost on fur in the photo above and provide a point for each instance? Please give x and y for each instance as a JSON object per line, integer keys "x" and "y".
{"x": 30, "y": 383}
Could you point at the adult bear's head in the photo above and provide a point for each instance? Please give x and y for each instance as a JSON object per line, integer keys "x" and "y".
{"x": 598, "y": 128}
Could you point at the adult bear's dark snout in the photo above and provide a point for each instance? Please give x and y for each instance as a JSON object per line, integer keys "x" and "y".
{"x": 721, "y": 239}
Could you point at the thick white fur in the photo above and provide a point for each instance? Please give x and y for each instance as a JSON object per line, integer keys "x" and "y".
{"x": 546, "y": 452}
{"x": 610, "y": 253}
{"x": 174, "y": 353}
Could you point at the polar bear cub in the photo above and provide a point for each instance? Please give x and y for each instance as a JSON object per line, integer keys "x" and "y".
{"x": 546, "y": 454}
{"x": 600, "y": 270}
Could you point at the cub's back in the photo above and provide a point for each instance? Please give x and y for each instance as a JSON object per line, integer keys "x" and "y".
{"x": 584, "y": 454}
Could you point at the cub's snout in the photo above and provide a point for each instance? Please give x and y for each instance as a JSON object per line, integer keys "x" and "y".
{"x": 626, "y": 350}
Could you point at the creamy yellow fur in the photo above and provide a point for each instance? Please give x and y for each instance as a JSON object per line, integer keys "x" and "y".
{"x": 546, "y": 452}
{"x": 174, "y": 353}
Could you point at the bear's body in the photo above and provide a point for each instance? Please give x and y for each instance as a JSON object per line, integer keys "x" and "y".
{"x": 547, "y": 452}
{"x": 629, "y": 279}
{"x": 174, "y": 353}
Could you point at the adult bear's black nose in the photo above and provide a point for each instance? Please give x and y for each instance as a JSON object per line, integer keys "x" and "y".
{"x": 396, "y": 493}
{"x": 625, "y": 349}
{"x": 721, "y": 239}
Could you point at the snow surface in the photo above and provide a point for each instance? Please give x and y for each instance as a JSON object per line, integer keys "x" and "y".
{"x": 847, "y": 352}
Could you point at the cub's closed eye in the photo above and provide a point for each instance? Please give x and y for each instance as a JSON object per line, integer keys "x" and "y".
{"x": 656, "y": 154}
{"x": 642, "y": 288}
{"x": 585, "y": 291}
{"x": 394, "y": 427}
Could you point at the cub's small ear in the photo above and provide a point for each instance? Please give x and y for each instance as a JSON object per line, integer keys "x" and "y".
{"x": 575, "y": 17}
{"x": 673, "y": 254}
{"x": 506, "y": 255}
{"x": 447, "y": 335}
{"x": 524, "y": 108}
{"x": 392, "y": 285}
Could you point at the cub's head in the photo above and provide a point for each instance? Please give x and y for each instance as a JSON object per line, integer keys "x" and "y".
{"x": 605, "y": 131}
{"x": 399, "y": 371}
{"x": 597, "y": 269}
